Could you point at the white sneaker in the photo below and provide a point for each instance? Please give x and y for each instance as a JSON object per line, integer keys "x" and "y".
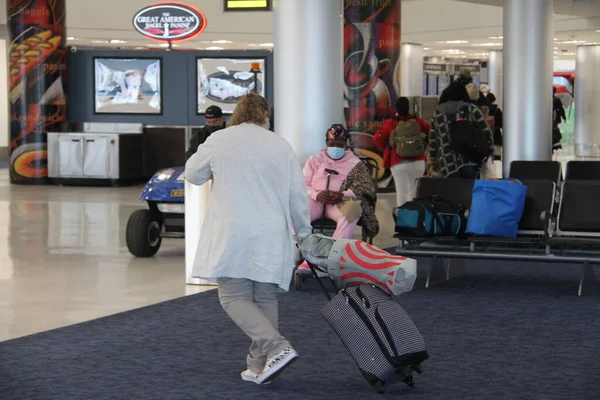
{"x": 250, "y": 376}
{"x": 276, "y": 364}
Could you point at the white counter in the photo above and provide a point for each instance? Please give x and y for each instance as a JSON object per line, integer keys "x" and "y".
{"x": 196, "y": 204}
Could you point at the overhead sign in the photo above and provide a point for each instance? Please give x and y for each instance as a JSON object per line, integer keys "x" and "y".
{"x": 169, "y": 21}
{"x": 247, "y": 5}
{"x": 473, "y": 68}
{"x": 435, "y": 67}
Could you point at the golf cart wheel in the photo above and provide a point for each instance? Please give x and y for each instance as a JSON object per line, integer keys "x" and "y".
{"x": 143, "y": 233}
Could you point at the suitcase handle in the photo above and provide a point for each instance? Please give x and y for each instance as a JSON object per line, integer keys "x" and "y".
{"x": 318, "y": 279}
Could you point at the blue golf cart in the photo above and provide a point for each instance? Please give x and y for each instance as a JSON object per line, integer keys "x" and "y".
{"x": 164, "y": 217}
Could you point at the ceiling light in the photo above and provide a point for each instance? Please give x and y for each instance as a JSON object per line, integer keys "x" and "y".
{"x": 426, "y": 48}
{"x": 214, "y": 48}
{"x": 221, "y": 41}
{"x": 496, "y": 37}
{"x": 116, "y": 41}
{"x": 455, "y": 41}
{"x": 100, "y": 41}
{"x": 70, "y": 38}
{"x": 266, "y": 44}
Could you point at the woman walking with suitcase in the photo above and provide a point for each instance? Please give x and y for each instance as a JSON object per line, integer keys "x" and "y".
{"x": 257, "y": 197}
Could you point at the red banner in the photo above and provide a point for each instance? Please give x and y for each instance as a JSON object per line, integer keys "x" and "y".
{"x": 37, "y": 79}
{"x": 371, "y": 69}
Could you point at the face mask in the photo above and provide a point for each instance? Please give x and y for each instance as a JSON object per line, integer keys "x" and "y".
{"x": 335, "y": 153}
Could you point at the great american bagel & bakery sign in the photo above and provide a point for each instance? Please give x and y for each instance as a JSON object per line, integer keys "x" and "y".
{"x": 169, "y": 21}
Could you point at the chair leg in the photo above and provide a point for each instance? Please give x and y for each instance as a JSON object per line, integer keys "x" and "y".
{"x": 587, "y": 280}
{"x": 441, "y": 269}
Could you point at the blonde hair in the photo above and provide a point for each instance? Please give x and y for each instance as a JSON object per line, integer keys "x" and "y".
{"x": 252, "y": 108}
{"x": 473, "y": 91}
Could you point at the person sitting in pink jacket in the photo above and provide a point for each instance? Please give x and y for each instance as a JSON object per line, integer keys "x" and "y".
{"x": 351, "y": 192}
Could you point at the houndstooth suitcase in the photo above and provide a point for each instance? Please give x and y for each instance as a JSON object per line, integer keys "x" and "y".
{"x": 383, "y": 340}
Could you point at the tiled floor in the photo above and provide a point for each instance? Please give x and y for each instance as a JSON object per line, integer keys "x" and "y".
{"x": 63, "y": 259}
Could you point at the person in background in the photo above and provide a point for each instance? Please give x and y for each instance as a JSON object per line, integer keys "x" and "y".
{"x": 442, "y": 160}
{"x": 214, "y": 122}
{"x": 465, "y": 78}
{"x": 488, "y": 95}
{"x": 487, "y": 168}
{"x": 405, "y": 171}
{"x": 496, "y": 112}
{"x": 476, "y": 97}
{"x": 558, "y": 116}
{"x": 257, "y": 200}
{"x": 350, "y": 186}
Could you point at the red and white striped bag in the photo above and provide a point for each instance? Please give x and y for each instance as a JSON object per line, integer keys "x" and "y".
{"x": 353, "y": 262}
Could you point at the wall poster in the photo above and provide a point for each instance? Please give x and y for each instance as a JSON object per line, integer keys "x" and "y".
{"x": 222, "y": 81}
{"x": 127, "y": 86}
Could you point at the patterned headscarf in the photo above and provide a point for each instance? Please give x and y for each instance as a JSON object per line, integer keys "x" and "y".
{"x": 337, "y": 131}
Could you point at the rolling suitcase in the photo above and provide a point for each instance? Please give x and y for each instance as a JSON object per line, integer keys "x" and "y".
{"x": 379, "y": 335}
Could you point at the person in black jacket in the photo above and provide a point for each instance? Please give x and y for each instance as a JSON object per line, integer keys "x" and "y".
{"x": 214, "y": 122}
{"x": 558, "y": 117}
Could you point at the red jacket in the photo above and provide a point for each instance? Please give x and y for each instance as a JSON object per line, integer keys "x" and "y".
{"x": 382, "y": 140}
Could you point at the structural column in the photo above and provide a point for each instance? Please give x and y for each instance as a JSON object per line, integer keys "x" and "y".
{"x": 372, "y": 32}
{"x": 308, "y": 71}
{"x": 587, "y": 99}
{"x": 496, "y": 75}
{"x": 37, "y": 72}
{"x": 411, "y": 70}
{"x": 528, "y": 66}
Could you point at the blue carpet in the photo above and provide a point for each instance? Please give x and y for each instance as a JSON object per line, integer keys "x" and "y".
{"x": 500, "y": 332}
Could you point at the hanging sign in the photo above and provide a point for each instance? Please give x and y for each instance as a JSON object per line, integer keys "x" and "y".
{"x": 169, "y": 21}
{"x": 435, "y": 67}
{"x": 472, "y": 68}
{"x": 247, "y": 5}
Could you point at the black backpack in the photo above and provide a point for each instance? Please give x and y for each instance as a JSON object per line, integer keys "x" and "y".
{"x": 468, "y": 140}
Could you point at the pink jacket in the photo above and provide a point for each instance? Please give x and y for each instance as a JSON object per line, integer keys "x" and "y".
{"x": 315, "y": 176}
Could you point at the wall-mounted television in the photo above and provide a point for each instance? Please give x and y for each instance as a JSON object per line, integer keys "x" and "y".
{"x": 128, "y": 85}
{"x": 222, "y": 81}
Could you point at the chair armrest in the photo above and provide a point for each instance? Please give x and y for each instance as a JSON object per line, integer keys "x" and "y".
{"x": 549, "y": 223}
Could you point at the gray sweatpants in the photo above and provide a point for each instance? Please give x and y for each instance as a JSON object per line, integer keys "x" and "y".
{"x": 253, "y": 307}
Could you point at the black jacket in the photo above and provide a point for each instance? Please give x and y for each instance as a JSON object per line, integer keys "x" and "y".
{"x": 199, "y": 136}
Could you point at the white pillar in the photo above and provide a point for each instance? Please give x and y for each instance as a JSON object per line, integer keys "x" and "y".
{"x": 308, "y": 72}
{"x": 411, "y": 70}
{"x": 495, "y": 75}
{"x": 528, "y": 66}
{"x": 587, "y": 99}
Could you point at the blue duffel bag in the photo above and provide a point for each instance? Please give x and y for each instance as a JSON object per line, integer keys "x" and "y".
{"x": 496, "y": 208}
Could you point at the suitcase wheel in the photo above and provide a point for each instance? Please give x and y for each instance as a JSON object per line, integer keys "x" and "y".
{"x": 410, "y": 382}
